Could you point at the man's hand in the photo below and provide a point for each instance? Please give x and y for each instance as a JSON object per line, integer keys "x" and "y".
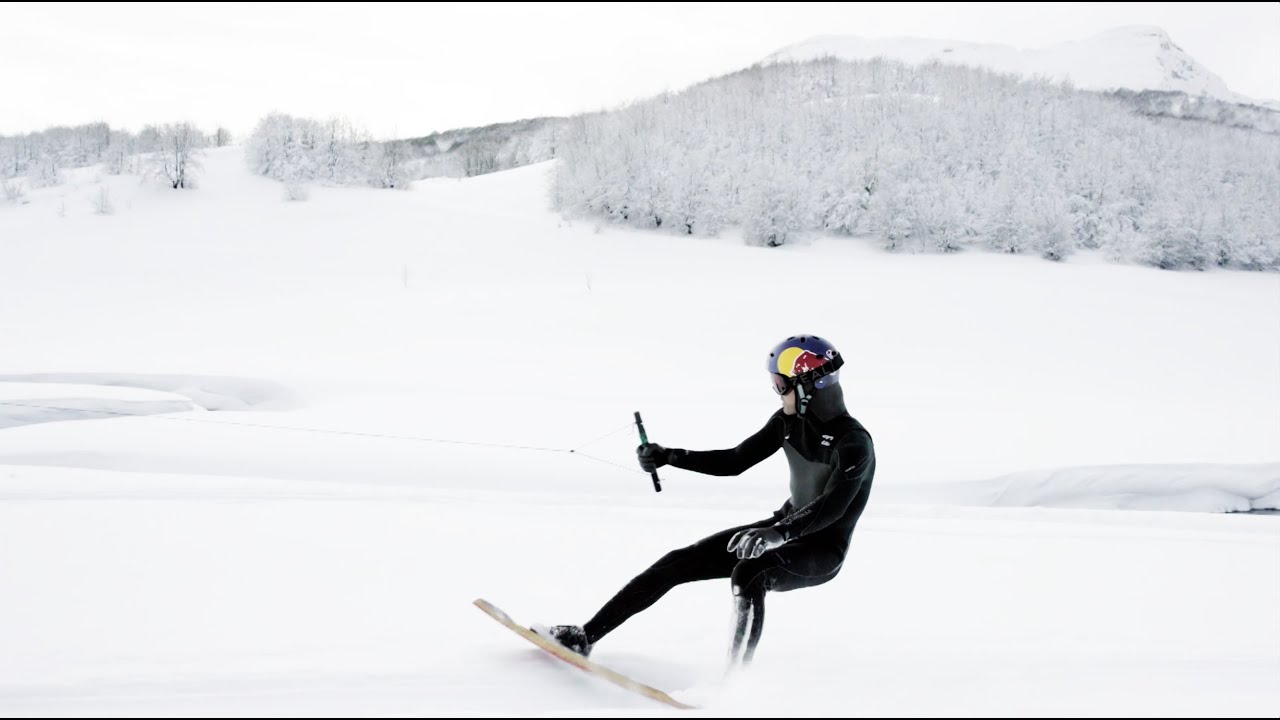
{"x": 753, "y": 543}
{"x": 652, "y": 456}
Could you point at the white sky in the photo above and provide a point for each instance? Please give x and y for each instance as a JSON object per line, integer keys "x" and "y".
{"x": 406, "y": 70}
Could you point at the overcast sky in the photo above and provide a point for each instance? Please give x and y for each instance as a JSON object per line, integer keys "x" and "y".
{"x": 407, "y": 70}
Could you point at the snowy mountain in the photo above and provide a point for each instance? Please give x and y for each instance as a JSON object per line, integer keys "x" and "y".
{"x": 935, "y": 158}
{"x": 1137, "y": 57}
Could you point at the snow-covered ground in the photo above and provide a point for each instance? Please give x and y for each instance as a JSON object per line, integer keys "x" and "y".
{"x": 321, "y": 476}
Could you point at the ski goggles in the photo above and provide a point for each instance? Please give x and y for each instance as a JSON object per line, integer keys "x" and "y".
{"x": 782, "y": 384}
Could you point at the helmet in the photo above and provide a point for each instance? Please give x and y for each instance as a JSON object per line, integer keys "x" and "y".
{"x": 806, "y": 361}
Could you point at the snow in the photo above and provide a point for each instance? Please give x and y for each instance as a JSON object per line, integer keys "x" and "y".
{"x": 304, "y": 527}
{"x": 1136, "y": 57}
{"x": 1188, "y": 487}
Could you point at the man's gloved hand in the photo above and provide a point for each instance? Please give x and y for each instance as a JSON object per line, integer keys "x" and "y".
{"x": 754, "y": 542}
{"x": 652, "y": 456}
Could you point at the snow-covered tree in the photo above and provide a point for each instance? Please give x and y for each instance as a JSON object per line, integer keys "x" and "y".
{"x": 930, "y": 158}
{"x": 175, "y": 160}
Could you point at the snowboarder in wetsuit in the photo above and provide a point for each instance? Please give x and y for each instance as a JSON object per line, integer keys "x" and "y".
{"x": 804, "y": 543}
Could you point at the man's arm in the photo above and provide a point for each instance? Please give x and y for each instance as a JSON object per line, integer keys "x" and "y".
{"x": 737, "y": 460}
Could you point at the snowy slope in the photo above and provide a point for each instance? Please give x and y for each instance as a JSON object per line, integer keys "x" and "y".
{"x": 1138, "y": 57}
{"x": 322, "y": 477}
{"x": 196, "y": 595}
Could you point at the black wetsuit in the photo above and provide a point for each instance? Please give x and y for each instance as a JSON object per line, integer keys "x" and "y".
{"x": 832, "y": 463}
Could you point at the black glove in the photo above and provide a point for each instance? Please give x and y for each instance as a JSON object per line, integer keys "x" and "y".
{"x": 755, "y": 542}
{"x": 653, "y": 456}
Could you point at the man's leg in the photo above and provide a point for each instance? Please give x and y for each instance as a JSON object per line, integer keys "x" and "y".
{"x": 798, "y": 564}
{"x": 706, "y": 559}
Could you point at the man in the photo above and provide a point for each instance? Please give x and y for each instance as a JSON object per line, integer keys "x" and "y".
{"x": 804, "y": 543}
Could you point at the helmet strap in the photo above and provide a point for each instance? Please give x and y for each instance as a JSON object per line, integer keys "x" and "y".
{"x": 802, "y": 398}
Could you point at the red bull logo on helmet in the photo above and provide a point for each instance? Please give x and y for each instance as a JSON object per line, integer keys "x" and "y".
{"x": 794, "y": 361}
